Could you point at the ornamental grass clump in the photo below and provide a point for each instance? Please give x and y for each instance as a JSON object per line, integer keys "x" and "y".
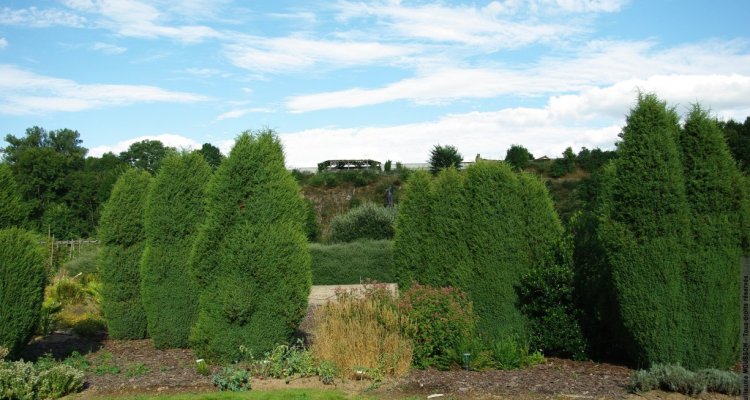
{"x": 363, "y": 335}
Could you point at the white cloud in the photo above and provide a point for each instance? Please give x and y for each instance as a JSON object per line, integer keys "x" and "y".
{"x": 169, "y": 140}
{"x": 3, "y": 43}
{"x": 40, "y": 18}
{"x": 288, "y": 54}
{"x": 242, "y": 112}
{"x": 599, "y": 63}
{"x": 134, "y": 18}
{"x": 590, "y": 118}
{"x": 24, "y": 92}
{"x": 107, "y": 48}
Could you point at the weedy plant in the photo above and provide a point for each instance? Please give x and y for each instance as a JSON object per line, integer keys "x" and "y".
{"x": 232, "y": 379}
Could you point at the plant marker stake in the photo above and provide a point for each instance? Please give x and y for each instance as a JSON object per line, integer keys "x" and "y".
{"x": 466, "y": 361}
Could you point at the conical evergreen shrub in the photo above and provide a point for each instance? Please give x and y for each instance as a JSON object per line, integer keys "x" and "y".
{"x": 716, "y": 221}
{"x": 174, "y": 210}
{"x": 122, "y": 235}
{"x": 645, "y": 235}
{"x": 250, "y": 258}
{"x": 411, "y": 252}
{"x": 22, "y": 278}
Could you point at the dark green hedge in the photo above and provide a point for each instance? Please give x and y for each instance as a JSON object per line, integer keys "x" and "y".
{"x": 22, "y": 278}
{"x": 410, "y": 255}
{"x": 174, "y": 210}
{"x": 122, "y": 235}
{"x": 355, "y": 262}
{"x": 250, "y": 257}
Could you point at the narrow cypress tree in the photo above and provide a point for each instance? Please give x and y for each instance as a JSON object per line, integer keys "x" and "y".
{"x": 11, "y": 209}
{"x": 250, "y": 257}
{"x": 122, "y": 236}
{"x": 174, "y": 210}
{"x": 644, "y": 232}
{"x": 411, "y": 254}
{"x": 450, "y": 261}
{"x": 495, "y": 238}
{"x": 716, "y": 210}
{"x": 22, "y": 278}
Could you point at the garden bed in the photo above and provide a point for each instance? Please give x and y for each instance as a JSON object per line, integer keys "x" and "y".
{"x": 118, "y": 367}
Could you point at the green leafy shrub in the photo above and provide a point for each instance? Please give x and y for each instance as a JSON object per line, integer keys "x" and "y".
{"x": 25, "y": 380}
{"x": 441, "y": 319}
{"x": 173, "y": 212}
{"x": 368, "y": 221}
{"x": 719, "y": 381}
{"x": 286, "y": 361}
{"x": 232, "y": 379}
{"x": 327, "y": 372}
{"x": 122, "y": 235}
{"x": 512, "y": 353}
{"x": 480, "y": 356}
{"x": 546, "y": 297}
{"x": 23, "y": 277}
{"x": 350, "y": 263}
{"x": 250, "y": 257}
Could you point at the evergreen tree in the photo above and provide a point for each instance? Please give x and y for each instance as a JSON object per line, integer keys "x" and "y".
{"x": 11, "y": 206}
{"x": 122, "y": 236}
{"x": 442, "y": 157}
{"x": 716, "y": 211}
{"x": 449, "y": 257}
{"x": 413, "y": 230}
{"x": 21, "y": 287}
{"x": 644, "y": 232}
{"x": 174, "y": 209}
{"x": 495, "y": 237}
{"x": 250, "y": 258}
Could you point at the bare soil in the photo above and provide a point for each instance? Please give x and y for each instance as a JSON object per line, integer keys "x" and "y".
{"x": 119, "y": 367}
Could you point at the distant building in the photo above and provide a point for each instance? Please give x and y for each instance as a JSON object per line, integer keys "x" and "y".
{"x": 338, "y": 165}
{"x": 542, "y": 158}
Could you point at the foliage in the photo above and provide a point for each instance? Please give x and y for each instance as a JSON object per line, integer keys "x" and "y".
{"x": 232, "y": 379}
{"x": 330, "y": 179}
{"x": 368, "y": 221}
{"x": 21, "y": 287}
{"x": 593, "y": 160}
{"x": 565, "y": 165}
{"x": 286, "y": 361}
{"x": 201, "y": 367}
{"x": 312, "y": 226}
{"x": 675, "y": 378}
{"x": 349, "y": 263}
{"x": 146, "y": 154}
{"x": 518, "y": 157}
{"x": 173, "y": 212}
{"x": 11, "y": 205}
{"x": 44, "y": 380}
{"x": 387, "y": 166}
{"x": 212, "y": 155}
{"x": 546, "y": 297}
{"x": 412, "y": 230}
{"x": 480, "y": 355}
{"x": 441, "y": 319}
{"x": 512, "y": 353}
{"x": 250, "y": 257}
{"x": 363, "y": 331}
{"x": 72, "y": 303}
{"x": 738, "y": 140}
{"x": 122, "y": 236}
{"x": 442, "y": 157}
{"x": 715, "y": 218}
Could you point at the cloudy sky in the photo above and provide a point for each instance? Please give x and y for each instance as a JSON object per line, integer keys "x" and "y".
{"x": 365, "y": 79}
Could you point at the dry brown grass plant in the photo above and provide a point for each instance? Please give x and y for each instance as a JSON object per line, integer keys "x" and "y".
{"x": 363, "y": 335}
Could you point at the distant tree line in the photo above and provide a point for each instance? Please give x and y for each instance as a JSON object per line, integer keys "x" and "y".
{"x": 49, "y": 185}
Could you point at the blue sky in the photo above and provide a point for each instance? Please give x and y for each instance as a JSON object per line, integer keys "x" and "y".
{"x": 354, "y": 79}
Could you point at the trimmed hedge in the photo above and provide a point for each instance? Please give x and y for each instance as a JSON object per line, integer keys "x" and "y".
{"x": 174, "y": 210}
{"x": 350, "y": 263}
{"x": 21, "y": 287}
{"x": 122, "y": 236}
{"x": 250, "y": 258}
{"x": 368, "y": 221}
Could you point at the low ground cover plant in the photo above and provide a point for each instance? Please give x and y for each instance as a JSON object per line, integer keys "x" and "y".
{"x": 349, "y": 263}
{"x": 675, "y": 378}
{"x": 45, "y": 379}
